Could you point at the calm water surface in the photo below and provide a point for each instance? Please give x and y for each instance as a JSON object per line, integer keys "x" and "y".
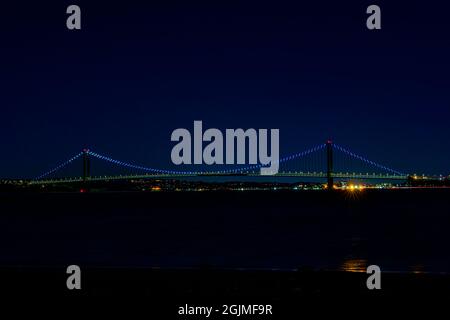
{"x": 402, "y": 231}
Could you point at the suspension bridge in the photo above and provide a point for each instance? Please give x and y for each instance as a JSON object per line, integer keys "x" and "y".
{"x": 327, "y": 161}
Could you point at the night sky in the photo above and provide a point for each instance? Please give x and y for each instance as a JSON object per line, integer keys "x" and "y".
{"x": 135, "y": 72}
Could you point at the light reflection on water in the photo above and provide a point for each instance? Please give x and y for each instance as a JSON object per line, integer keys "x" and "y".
{"x": 354, "y": 265}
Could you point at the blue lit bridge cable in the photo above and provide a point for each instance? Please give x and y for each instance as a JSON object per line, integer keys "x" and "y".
{"x": 303, "y": 154}
{"x": 62, "y": 165}
{"x": 227, "y": 171}
{"x": 294, "y": 159}
{"x": 372, "y": 163}
{"x": 133, "y": 166}
{"x": 281, "y": 160}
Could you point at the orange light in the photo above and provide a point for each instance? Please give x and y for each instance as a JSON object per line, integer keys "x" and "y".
{"x": 354, "y": 265}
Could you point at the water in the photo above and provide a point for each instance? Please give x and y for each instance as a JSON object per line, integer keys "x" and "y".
{"x": 399, "y": 230}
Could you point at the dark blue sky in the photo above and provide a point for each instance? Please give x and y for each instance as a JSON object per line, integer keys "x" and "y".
{"x": 135, "y": 72}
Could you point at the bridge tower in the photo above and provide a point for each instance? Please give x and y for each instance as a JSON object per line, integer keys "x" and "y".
{"x": 86, "y": 165}
{"x": 330, "y": 183}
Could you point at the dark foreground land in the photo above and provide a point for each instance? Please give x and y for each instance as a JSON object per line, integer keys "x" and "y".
{"x": 223, "y": 247}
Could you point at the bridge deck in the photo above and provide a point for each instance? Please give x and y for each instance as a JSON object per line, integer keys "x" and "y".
{"x": 319, "y": 175}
